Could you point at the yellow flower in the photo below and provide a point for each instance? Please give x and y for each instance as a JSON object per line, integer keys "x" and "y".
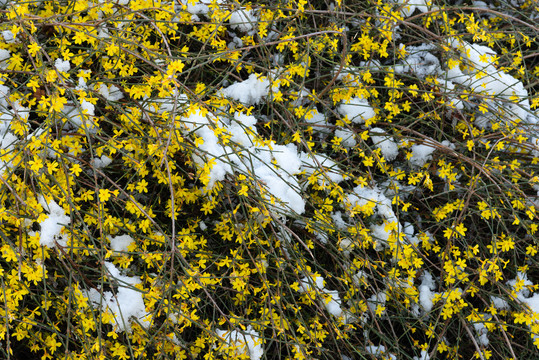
{"x": 175, "y": 66}
{"x": 76, "y": 169}
{"x": 104, "y": 195}
{"x": 51, "y": 76}
{"x": 461, "y": 230}
{"x": 33, "y": 48}
{"x": 243, "y": 190}
{"x": 142, "y": 186}
{"x": 51, "y": 344}
{"x": 8, "y": 253}
{"x": 144, "y": 225}
{"x": 36, "y": 164}
{"x": 57, "y": 103}
{"x": 531, "y": 250}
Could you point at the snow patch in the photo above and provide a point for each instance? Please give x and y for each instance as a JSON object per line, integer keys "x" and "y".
{"x": 247, "y": 342}
{"x": 4, "y": 56}
{"x": 332, "y": 301}
{"x": 110, "y": 93}
{"x": 53, "y": 225}
{"x": 101, "y": 162}
{"x": 421, "y": 154}
{"x": 120, "y": 243}
{"x": 273, "y": 166}
{"x": 426, "y": 291}
{"x": 126, "y": 305}
{"x": 250, "y": 91}
{"x": 380, "y": 351}
{"x": 328, "y": 169}
{"x": 62, "y": 66}
{"x": 419, "y": 61}
{"x": 243, "y": 20}
{"x": 385, "y": 143}
{"x": 357, "y": 110}
{"x": 347, "y": 136}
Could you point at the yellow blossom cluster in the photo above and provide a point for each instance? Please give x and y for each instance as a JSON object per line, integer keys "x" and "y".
{"x": 301, "y": 179}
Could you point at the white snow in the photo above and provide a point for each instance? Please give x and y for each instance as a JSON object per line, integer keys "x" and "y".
{"x": 380, "y": 352}
{"x": 334, "y": 305}
{"x": 62, "y": 65}
{"x": 407, "y": 7}
{"x": 332, "y": 300}
{"x": 301, "y": 97}
{"x": 481, "y": 332}
{"x": 170, "y": 104}
{"x": 505, "y": 94}
{"x": 521, "y": 278}
{"x": 80, "y": 116}
{"x": 243, "y": 20}
{"x": 305, "y": 283}
{"x": 392, "y": 188}
{"x": 480, "y": 4}
{"x": 317, "y": 162}
{"x": 52, "y": 226}
{"x": 250, "y": 91}
{"x": 287, "y": 158}
{"x": 111, "y": 93}
{"x": 319, "y": 123}
{"x": 339, "y": 221}
{"x": 523, "y": 294}
{"x": 274, "y": 166}
{"x": 347, "y": 136}
{"x": 126, "y": 304}
{"x": 347, "y": 245}
{"x": 4, "y": 93}
{"x": 236, "y": 42}
{"x": 247, "y": 342}
{"x": 378, "y": 299}
{"x": 4, "y": 55}
{"x": 426, "y": 291}
{"x": 199, "y": 7}
{"x": 421, "y": 154}
{"x": 499, "y": 303}
{"x": 419, "y": 61}
{"x": 357, "y": 110}
{"x": 359, "y": 278}
{"x": 103, "y": 32}
{"x": 533, "y": 303}
{"x": 424, "y": 356}
{"x": 380, "y": 234}
{"x": 87, "y": 107}
{"x": 447, "y": 86}
{"x": 120, "y": 243}
{"x": 7, "y": 139}
{"x": 202, "y": 225}
{"x": 100, "y": 162}
{"x": 361, "y": 196}
{"x": 239, "y": 127}
{"x": 385, "y": 143}
{"x": 9, "y": 37}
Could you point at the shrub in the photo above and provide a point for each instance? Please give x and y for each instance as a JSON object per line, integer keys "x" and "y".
{"x": 280, "y": 180}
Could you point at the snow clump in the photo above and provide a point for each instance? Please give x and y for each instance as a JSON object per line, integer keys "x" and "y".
{"x": 246, "y": 342}
{"x": 52, "y": 226}
{"x": 120, "y": 243}
{"x": 385, "y": 143}
{"x": 62, "y": 66}
{"x": 333, "y": 305}
{"x": 250, "y": 91}
{"x": 357, "y": 110}
{"x": 243, "y": 20}
{"x": 126, "y": 305}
